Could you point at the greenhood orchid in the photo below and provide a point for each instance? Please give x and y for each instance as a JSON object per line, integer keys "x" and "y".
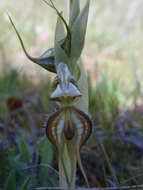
{"x": 69, "y": 127}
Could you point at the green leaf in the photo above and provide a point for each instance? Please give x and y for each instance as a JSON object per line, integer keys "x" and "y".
{"x": 74, "y": 12}
{"x": 26, "y": 184}
{"x": 14, "y": 162}
{"x": 78, "y": 32}
{"x": 46, "y": 150}
{"x": 24, "y": 150}
{"x": 11, "y": 182}
{"x": 3, "y": 174}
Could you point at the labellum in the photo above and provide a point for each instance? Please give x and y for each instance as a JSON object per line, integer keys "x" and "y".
{"x": 75, "y": 127}
{"x": 69, "y": 130}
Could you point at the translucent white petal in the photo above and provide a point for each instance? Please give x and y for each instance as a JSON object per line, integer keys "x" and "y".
{"x": 70, "y": 91}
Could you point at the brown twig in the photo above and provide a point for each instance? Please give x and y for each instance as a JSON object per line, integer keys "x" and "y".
{"x": 109, "y": 163}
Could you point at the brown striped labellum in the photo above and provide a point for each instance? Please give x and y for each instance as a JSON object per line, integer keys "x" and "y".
{"x": 68, "y": 123}
{"x": 69, "y": 131}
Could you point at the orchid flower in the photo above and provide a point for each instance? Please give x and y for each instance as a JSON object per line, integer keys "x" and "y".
{"x": 70, "y": 127}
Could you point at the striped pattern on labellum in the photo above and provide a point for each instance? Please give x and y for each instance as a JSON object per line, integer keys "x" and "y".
{"x": 68, "y": 123}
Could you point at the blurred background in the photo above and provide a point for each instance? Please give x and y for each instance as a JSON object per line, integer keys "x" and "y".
{"x": 113, "y": 59}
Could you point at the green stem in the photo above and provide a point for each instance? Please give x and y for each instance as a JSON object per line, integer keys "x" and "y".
{"x": 70, "y": 3}
{"x": 67, "y": 166}
{"x": 70, "y": 7}
{"x": 65, "y": 171}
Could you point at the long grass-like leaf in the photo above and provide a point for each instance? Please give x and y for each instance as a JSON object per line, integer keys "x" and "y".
{"x": 26, "y": 184}
{"x": 11, "y": 181}
{"x": 24, "y": 150}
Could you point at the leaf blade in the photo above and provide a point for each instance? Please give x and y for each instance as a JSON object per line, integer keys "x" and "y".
{"x": 26, "y": 184}
{"x": 24, "y": 150}
{"x": 78, "y": 32}
{"x": 11, "y": 181}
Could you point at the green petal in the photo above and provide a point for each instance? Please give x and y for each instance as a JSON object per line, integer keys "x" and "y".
{"x": 60, "y": 31}
{"x": 70, "y": 93}
{"x": 65, "y": 44}
{"x": 74, "y": 12}
{"x": 65, "y": 88}
{"x": 78, "y": 32}
{"x": 82, "y": 102}
{"x": 47, "y": 60}
{"x": 60, "y": 54}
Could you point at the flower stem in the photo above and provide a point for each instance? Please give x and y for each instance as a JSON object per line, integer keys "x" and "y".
{"x": 70, "y": 3}
{"x": 67, "y": 167}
